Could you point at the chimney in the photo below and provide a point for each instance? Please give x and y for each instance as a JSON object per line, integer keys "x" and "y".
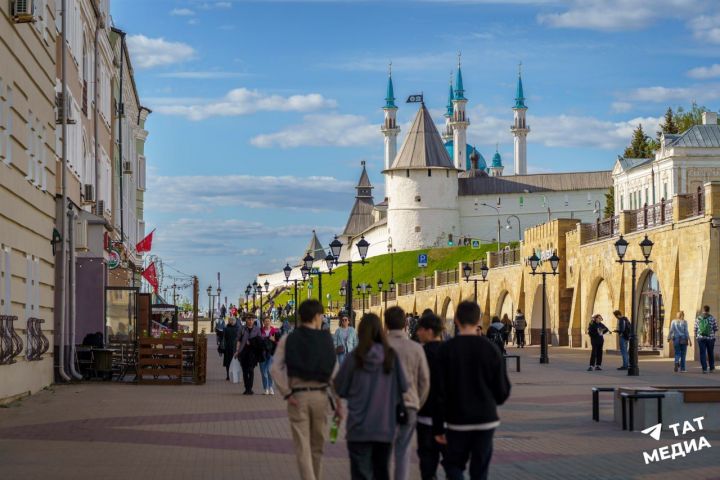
{"x": 709, "y": 118}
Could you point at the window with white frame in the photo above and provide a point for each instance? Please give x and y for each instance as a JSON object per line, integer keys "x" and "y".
{"x": 5, "y": 274}
{"x": 6, "y": 118}
{"x": 141, "y": 176}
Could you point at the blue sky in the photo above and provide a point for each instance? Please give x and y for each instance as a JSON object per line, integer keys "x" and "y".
{"x": 262, "y": 111}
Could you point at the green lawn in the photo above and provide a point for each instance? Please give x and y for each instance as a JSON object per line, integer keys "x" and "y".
{"x": 403, "y": 266}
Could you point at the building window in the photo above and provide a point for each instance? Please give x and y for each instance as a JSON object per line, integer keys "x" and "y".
{"x": 665, "y": 191}
{"x": 522, "y": 202}
{"x": 429, "y": 173}
{"x": 407, "y": 172}
{"x": 646, "y": 197}
{"x": 417, "y": 198}
{"x": 417, "y": 229}
{"x": 622, "y": 203}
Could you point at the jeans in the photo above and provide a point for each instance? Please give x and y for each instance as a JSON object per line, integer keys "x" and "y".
{"x": 597, "y": 351}
{"x": 475, "y": 445}
{"x": 624, "y": 351}
{"x": 707, "y": 353}
{"x": 369, "y": 460}
{"x": 520, "y": 338}
{"x": 403, "y": 439}
{"x": 265, "y": 373}
{"x": 429, "y": 452}
{"x": 680, "y": 352}
{"x": 341, "y": 358}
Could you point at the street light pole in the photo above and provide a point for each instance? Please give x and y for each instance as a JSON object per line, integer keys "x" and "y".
{"x": 335, "y": 248}
{"x": 509, "y": 226}
{"x": 621, "y": 248}
{"x": 329, "y": 263}
{"x": 384, "y": 293}
{"x": 534, "y": 262}
{"x": 467, "y": 271}
{"x": 497, "y": 210}
{"x": 287, "y": 271}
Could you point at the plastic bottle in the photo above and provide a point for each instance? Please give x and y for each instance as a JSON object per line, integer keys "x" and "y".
{"x": 334, "y": 430}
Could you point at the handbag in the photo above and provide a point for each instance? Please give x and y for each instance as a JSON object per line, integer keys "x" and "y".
{"x": 401, "y": 413}
{"x": 340, "y": 349}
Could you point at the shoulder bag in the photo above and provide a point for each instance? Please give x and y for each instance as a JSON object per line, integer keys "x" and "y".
{"x": 401, "y": 413}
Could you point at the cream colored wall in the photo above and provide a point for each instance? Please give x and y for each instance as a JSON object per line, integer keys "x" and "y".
{"x": 27, "y": 211}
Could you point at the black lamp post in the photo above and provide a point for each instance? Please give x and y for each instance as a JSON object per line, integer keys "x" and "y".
{"x": 363, "y": 289}
{"x": 335, "y": 248}
{"x": 534, "y": 262}
{"x": 384, "y": 293}
{"x": 259, "y": 290}
{"x": 287, "y": 271}
{"x": 210, "y": 308}
{"x": 467, "y": 271}
{"x": 248, "y": 290}
{"x": 329, "y": 263}
{"x": 621, "y": 248}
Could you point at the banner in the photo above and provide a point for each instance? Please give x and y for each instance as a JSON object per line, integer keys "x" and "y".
{"x": 150, "y": 274}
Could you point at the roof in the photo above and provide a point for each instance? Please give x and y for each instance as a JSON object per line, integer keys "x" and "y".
{"x": 449, "y": 105}
{"x": 630, "y": 163}
{"x": 519, "y": 96}
{"x": 315, "y": 248}
{"x": 545, "y": 182}
{"x": 459, "y": 89}
{"x": 361, "y": 217}
{"x": 390, "y": 95}
{"x": 469, "y": 149}
{"x": 422, "y": 147}
{"x": 497, "y": 160}
{"x": 364, "y": 181}
{"x": 707, "y": 136}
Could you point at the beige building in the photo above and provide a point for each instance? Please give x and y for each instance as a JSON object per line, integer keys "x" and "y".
{"x": 27, "y": 195}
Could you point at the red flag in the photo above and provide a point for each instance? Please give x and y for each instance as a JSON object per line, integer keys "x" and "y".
{"x": 145, "y": 245}
{"x": 150, "y": 274}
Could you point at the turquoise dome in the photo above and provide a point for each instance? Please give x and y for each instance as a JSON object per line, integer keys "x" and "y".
{"x": 497, "y": 161}
{"x": 482, "y": 165}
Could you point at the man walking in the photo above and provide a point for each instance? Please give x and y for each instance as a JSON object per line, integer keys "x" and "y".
{"x": 248, "y": 347}
{"x": 415, "y": 367}
{"x": 473, "y": 382}
{"x": 623, "y": 331}
{"x": 705, "y": 330}
{"x": 519, "y": 324}
{"x": 303, "y": 367}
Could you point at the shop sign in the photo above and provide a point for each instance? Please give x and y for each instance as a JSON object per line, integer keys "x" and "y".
{"x": 114, "y": 259}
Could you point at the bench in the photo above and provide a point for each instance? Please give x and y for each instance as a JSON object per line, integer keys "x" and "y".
{"x": 517, "y": 361}
{"x": 596, "y": 400}
{"x": 631, "y": 398}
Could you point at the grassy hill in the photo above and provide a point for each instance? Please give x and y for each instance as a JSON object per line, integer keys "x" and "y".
{"x": 402, "y": 266}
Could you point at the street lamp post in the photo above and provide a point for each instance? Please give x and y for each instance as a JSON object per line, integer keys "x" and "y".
{"x": 329, "y": 263}
{"x": 508, "y": 226}
{"x": 259, "y": 290}
{"x": 248, "y": 291}
{"x": 287, "y": 271}
{"x": 621, "y": 248}
{"x": 384, "y": 293}
{"x": 534, "y": 262}
{"x": 467, "y": 271}
{"x": 497, "y": 210}
{"x": 335, "y": 248}
{"x": 363, "y": 289}
{"x": 210, "y": 308}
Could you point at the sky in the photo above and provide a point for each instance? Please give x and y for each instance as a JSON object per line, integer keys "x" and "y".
{"x": 263, "y": 110}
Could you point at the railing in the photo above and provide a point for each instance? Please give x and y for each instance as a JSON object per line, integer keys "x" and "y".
{"x": 692, "y": 204}
{"x": 601, "y": 229}
{"x": 10, "y": 342}
{"x": 405, "y": 289}
{"x": 504, "y": 257}
{"x": 374, "y": 299}
{"x": 447, "y": 277}
{"x": 37, "y": 342}
{"x": 650, "y": 216}
{"x": 424, "y": 283}
{"x": 391, "y": 296}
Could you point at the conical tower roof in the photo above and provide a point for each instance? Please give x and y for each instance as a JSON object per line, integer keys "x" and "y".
{"x": 519, "y": 96}
{"x": 422, "y": 147}
{"x": 361, "y": 216}
{"x": 315, "y": 248}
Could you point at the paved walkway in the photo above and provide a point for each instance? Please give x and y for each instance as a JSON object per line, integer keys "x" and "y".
{"x": 109, "y": 430}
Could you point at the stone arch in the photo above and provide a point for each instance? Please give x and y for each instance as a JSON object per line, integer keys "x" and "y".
{"x": 649, "y": 311}
{"x": 536, "y": 317}
{"x": 505, "y": 305}
{"x": 600, "y": 301}
{"x": 447, "y": 315}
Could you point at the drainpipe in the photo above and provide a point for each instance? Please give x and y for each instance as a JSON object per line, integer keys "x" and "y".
{"x": 72, "y": 217}
{"x": 121, "y": 114}
{"x": 98, "y": 25}
{"x": 63, "y": 191}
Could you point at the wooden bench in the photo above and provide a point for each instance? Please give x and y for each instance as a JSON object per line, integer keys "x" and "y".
{"x": 696, "y": 393}
{"x": 517, "y": 361}
{"x": 596, "y": 400}
{"x": 631, "y": 398}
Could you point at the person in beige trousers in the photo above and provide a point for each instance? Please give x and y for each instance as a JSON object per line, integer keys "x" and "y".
{"x": 417, "y": 373}
{"x": 302, "y": 371}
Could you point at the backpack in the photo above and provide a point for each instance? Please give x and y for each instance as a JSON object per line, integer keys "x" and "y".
{"x": 704, "y": 327}
{"x": 495, "y": 336}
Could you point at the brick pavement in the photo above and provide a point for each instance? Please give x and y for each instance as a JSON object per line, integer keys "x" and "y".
{"x": 109, "y": 430}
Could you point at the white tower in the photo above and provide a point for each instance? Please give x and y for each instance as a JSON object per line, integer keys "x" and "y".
{"x": 390, "y": 129}
{"x": 459, "y": 122}
{"x": 520, "y": 129}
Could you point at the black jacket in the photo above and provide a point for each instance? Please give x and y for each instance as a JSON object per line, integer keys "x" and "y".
{"x": 473, "y": 381}
{"x": 597, "y": 329}
{"x": 431, "y": 408}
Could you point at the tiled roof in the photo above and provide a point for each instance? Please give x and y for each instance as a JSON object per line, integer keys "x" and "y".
{"x": 423, "y": 147}
{"x": 707, "y": 136}
{"x": 361, "y": 216}
{"x": 546, "y": 182}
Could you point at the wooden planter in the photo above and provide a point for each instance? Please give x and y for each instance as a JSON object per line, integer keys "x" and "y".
{"x": 160, "y": 361}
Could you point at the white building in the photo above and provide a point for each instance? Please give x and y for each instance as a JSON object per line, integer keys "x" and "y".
{"x": 682, "y": 164}
{"x": 443, "y": 193}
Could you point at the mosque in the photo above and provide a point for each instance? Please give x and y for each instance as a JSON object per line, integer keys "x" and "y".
{"x": 440, "y": 191}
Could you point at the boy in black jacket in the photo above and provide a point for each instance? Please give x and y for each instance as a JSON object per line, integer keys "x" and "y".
{"x": 473, "y": 382}
{"x": 429, "y": 331}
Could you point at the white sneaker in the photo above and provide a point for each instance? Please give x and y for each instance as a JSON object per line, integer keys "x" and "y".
{"x": 266, "y": 392}
{"x": 272, "y": 392}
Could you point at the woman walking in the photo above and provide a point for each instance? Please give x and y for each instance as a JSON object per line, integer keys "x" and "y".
{"x": 230, "y": 336}
{"x": 269, "y": 335}
{"x": 373, "y": 383}
{"x": 345, "y": 339}
{"x": 680, "y": 336}
{"x": 247, "y": 350}
{"x": 596, "y": 330}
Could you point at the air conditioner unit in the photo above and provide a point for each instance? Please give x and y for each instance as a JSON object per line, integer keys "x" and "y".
{"x": 81, "y": 235}
{"x": 61, "y": 105}
{"x": 127, "y": 168}
{"x": 23, "y": 11}
{"x": 89, "y": 193}
{"x": 99, "y": 208}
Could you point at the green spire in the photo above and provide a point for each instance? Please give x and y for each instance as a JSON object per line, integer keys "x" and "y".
{"x": 450, "y": 100}
{"x": 459, "y": 90}
{"x": 390, "y": 95}
{"x": 519, "y": 97}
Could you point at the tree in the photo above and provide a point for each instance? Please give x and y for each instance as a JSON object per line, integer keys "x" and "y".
{"x": 609, "y": 203}
{"x": 669, "y": 126}
{"x": 686, "y": 120}
{"x": 641, "y": 146}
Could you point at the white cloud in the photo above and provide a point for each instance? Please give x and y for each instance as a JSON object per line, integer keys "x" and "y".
{"x": 621, "y": 107}
{"x": 332, "y": 129}
{"x": 241, "y": 101}
{"x": 182, "y": 12}
{"x": 703, "y": 73}
{"x": 616, "y": 14}
{"x": 202, "y": 75}
{"x": 209, "y": 193}
{"x": 659, "y": 94}
{"x": 419, "y": 62}
{"x": 251, "y": 252}
{"x": 152, "y": 52}
{"x": 706, "y": 28}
